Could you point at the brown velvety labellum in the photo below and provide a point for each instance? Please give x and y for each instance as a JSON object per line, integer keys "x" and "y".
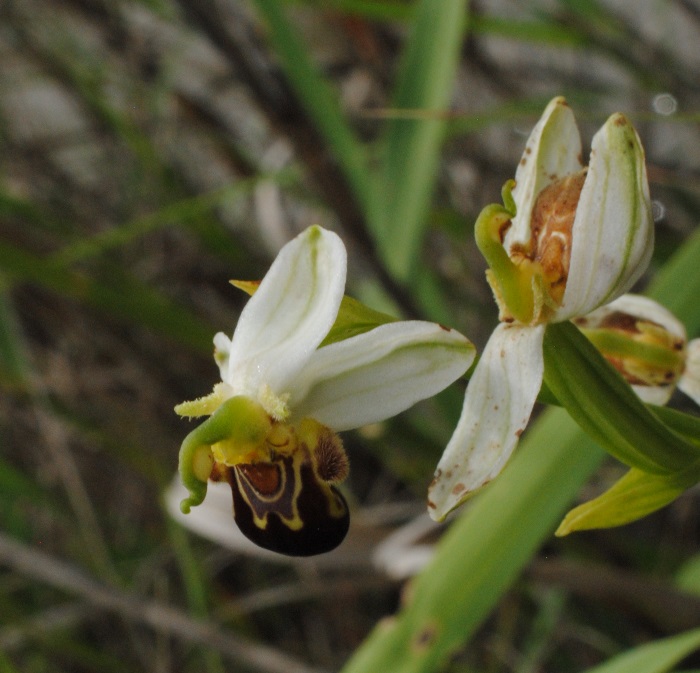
{"x": 285, "y": 507}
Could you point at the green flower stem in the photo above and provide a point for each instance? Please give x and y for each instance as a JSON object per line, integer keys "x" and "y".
{"x": 684, "y": 424}
{"x": 607, "y": 409}
{"x": 612, "y": 342}
{"x": 514, "y": 281}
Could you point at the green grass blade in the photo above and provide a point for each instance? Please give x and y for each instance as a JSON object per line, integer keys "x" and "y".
{"x": 539, "y": 32}
{"x": 370, "y": 9}
{"x": 13, "y": 358}
{"x": 321, "y": 104}
{"x": 185, "y": 210}
{"x": 484, "y": 551}
{"x": 676, "y": 285}
{"x": 124, "y": 297}
{"x": 656, "y": 657}
{"x": 412, "y": 146}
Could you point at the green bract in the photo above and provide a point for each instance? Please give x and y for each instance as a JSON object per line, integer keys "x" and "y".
{"x": 567, "y": 240}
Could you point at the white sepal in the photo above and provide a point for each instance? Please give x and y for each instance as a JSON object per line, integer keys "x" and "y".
{"x": 290, "y": 314}
{"x": 497, "y": 408}
{"x": 378, "y": 374}
{"x": 613, "y": 231}
{"x": 553, "y": 151}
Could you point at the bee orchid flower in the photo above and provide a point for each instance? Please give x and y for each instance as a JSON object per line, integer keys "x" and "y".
{"x": 567, "y": 240}
{"x": 285, "y": 393}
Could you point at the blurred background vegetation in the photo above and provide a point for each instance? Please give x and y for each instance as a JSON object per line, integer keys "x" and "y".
{"x": 153, "y": 149}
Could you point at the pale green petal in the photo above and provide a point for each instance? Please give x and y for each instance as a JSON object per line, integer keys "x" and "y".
{"x": 553, "y": 151}
{"x": 497, "y": 408}
{"x": 378, "y": 374}
{"x": 613, "y": 232}
{"x": 290, "y": 314}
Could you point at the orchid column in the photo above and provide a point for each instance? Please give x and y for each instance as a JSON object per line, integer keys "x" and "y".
{"x": 567, "y": 240}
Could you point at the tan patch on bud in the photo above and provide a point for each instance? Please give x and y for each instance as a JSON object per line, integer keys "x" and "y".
{"x": 552, "y": 222}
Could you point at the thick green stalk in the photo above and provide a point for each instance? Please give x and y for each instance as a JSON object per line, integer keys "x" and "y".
{"x": 483, "y": 551}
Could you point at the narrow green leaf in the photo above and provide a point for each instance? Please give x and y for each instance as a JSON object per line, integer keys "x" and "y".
{"x": 656, "y": 657}
{"x": 412, "y": 146}
{"x": 539, "y": 32}
{"x": 368, "y": 9}
{"x": 321, "y": 104}
{"x": 634, "y": 496}
{"x": 13, "y": 358}
{"x": 604, "y": 405}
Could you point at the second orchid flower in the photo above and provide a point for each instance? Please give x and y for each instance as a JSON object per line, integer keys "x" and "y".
{"x": 567, "y": 240}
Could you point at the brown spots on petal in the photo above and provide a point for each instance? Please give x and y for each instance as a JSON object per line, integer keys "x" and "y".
{"x": 518, "y": 433}
{"x": 436, "y": 477}
{"x": 458, "y": 488}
